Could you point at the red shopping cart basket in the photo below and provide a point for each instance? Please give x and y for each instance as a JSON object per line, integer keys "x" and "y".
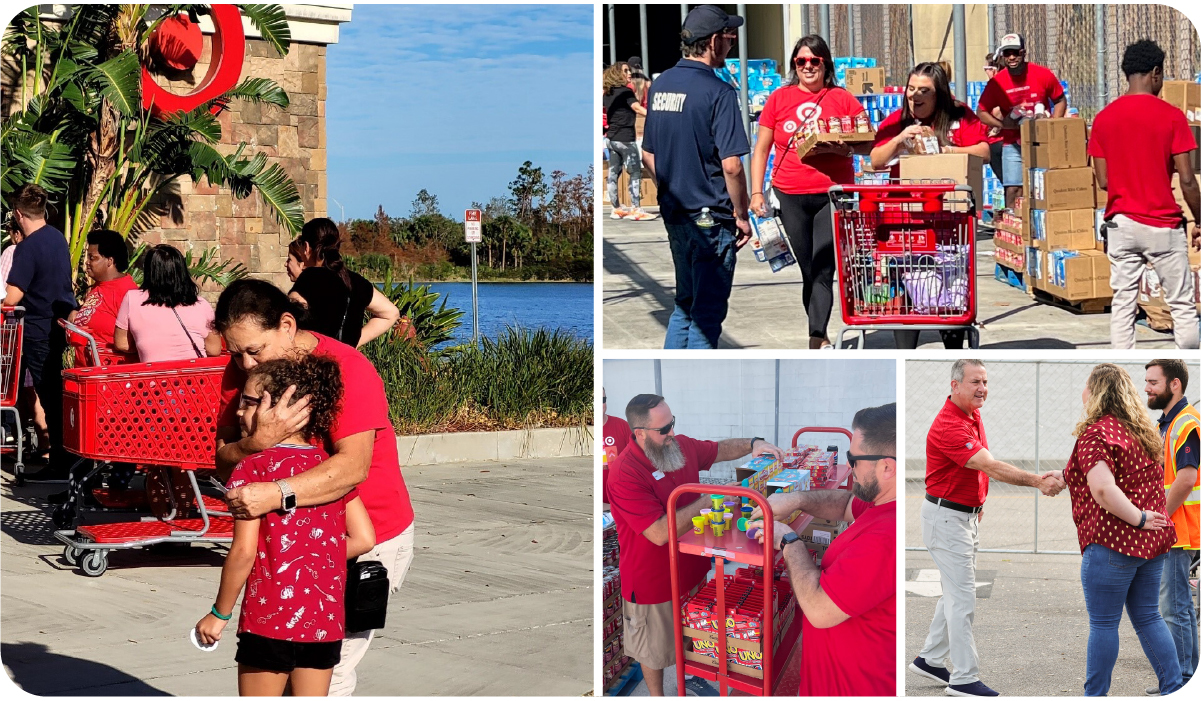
{"x": 12, "y": 329}
{"x": 88, "y": 353}
{"x": 906, "y": 257}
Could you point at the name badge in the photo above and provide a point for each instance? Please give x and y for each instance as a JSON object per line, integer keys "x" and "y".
{"x": 658, "y": 475}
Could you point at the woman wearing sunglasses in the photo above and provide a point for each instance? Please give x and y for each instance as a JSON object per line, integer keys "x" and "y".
{"x": 799, "y": 185}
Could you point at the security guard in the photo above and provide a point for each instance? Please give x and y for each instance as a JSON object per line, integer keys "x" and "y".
{"x": 692, "y": 146}
{"x": 1180, "y": 427}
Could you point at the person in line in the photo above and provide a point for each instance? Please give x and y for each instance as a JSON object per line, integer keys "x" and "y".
{"x": 1179, "y": 428}
{"x": 996, "y": 143}
{"x": 616, "y": 432}
{"x": 692, "y": 147}
{"x": 6, "y": 256}
{"x": 106, "y": 262}
{"x": 621, "y": 110}
{"x": 1016, "y": 91}
{"x": 258, "y": 322}
{"x": 958, "y": 468}
{"x": 928, "y": 106}
{"x": 289, "y": 633}
{"x": 849, "y": 602}
{"x": 40, "y": 281}
{"x": 800, "y": 185}
{"x": 1120, "y": 510}
{"x": 336, "y": 298}
{"x": 654, "y": 463}
{"x": 1143, "y": 222}
{"x": 166, "y": 319}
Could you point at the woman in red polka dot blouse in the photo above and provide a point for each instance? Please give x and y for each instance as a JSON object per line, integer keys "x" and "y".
{"x": 1119, "y": 507}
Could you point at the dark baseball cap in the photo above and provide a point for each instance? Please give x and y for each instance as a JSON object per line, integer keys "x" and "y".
{"x": 635, "y": 62}
{"x": 705, "y": 21}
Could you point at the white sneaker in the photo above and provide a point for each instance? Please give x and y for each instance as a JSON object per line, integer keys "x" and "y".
{"x": 619, "y": 213}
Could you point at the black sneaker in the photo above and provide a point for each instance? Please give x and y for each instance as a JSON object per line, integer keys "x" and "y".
{"x": 973, "y": 689}
{"x": 48, "y": 474}
{"x": 938, "y": 674}
{"x": 695, "y": 686}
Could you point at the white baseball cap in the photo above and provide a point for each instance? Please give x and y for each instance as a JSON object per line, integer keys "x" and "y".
{"x": 1011, "y": 41}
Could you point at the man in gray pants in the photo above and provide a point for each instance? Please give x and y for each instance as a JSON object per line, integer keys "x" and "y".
{"x": 1137, "y": 142}
{"x": 958, "y": 466}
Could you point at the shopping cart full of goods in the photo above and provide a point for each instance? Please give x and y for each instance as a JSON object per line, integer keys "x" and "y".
{"x": 15, "y": 437}
{"x": 830, "y": 477}
{"x": 162, "y": 415}
{"x": 906, "y": 259}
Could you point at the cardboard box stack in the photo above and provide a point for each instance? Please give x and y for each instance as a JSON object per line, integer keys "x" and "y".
{"x": 1150, "y": 292}
{"x": 1186, "y": 95}
{"x": 615, "y": 660}
{"x": 1059, "y": 213}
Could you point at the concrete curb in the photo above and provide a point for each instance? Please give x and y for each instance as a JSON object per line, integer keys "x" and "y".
{"x": 440, "y": 448}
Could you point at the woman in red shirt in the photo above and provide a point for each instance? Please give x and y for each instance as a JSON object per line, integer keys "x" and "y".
{"x": 1119, "y": 506}
{"x": 800, "y": 185}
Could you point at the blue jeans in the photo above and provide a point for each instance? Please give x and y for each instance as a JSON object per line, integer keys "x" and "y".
{"x": 1011, "y": 165}
{"x": 1176, "y": 605}
{"x": 1110, "y": 580}
{"x": 704, "y": 265}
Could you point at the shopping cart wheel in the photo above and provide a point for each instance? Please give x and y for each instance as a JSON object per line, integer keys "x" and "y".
{"x": 63, "y": 516}
{"x": 94, "y": 563}
{"x": 20, "y": 474}
{"x": 71, "y": 555}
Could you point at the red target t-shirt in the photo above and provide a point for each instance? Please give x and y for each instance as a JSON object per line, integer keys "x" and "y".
{"x": 296, "y": 589}
{"x": 98, "y": 312}
{"x": 967, "y": 130}
{"x": 1038, "y": 85}
{"x": 1140, "y": 478}
{"x": 616, "y": 436}
{"x": 786, "y": 111}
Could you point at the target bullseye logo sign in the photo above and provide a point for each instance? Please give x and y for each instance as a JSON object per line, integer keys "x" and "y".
{"x": 225, "y": 68}
{"x": 610, "y": 441}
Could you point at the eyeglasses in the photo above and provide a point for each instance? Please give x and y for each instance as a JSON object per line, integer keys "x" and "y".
{"x": 852, "y": 458}
{"x": 662, "y": 431}
{"x": 248, "y": 401}
{"x": 802, "y": 61}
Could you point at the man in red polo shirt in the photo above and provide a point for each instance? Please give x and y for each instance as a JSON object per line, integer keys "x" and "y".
{"x": 654, "y": 463}
{"x": 850, "y": 601}
{"x": 616, "y": 436}
{"x": 1144, "y": 223}
{"x": 958, "y": 466}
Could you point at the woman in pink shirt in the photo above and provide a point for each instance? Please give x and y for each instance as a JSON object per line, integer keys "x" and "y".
{"x": 166, "y": 319}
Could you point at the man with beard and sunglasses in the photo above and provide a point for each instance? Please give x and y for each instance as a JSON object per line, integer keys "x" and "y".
{"x": 692, "y": 147}
{"x": 849, "y": 601}
{"x": 654, "y": 463}
{"x": 1179, "y": 426}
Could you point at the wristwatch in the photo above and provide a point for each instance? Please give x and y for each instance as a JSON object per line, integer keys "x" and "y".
{"x": 756, "y": 438}
{"x": 788, "y": 539}
{"x": 289, "y": 497}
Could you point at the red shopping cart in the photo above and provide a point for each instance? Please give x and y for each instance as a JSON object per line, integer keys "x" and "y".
{"x": 840, "y": 471}
{"x": 88, "y": 353}
{"x": 906, "y": 256}
{"x": 13, "y": 438}
{"x": 159, "y": 414}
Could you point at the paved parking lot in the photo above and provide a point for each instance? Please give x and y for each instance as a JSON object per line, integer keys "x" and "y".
{"x": 498, "y": 600}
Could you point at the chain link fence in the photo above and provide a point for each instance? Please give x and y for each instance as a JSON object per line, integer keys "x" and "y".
{"x": 1032, "y": 408}
{"x": 1061, "y": 37}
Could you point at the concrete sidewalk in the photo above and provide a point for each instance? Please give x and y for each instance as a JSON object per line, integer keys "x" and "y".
{"x": 766, "y": 310}
{"x": 1031, "y": 628}
{"x": 498, "y": 600}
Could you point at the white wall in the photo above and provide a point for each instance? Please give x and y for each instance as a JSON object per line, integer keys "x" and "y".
{"x": 716, "y": 399}
{"x": 1009, "y": 412}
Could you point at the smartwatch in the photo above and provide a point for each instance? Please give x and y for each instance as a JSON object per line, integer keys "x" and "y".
{"x": 289, "y": 497}
{"x": 789, "y": 538}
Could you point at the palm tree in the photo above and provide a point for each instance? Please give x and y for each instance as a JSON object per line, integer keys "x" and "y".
{"x": 79, "y": 130}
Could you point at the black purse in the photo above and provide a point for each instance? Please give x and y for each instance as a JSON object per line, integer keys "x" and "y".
{"x": 366, "y": 596}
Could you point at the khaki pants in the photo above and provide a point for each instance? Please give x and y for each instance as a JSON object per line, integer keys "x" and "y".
{"x": 953, "y": 537}
{"x": 1131, "y": 246}
{"x": 396, "y": 554}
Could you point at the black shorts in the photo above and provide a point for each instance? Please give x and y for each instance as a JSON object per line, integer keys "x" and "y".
{"x": 33, "y": 358}
{"x": 285, "y": 655}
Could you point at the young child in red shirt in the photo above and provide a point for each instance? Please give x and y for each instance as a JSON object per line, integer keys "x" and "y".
{"x": 292, "y": 563}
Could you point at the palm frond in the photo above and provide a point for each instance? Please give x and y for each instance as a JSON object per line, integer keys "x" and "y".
{"x": 46, "y": 162}
{"x": 208, "y": 267}
{"x": 119, "y": 81}
{"x": 257, "y": 90}
{"x": 272, "y": 23}
{"x": 280, "y": 195}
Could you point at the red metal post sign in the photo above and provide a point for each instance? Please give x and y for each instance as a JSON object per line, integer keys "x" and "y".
{"x": 225, "y": 67}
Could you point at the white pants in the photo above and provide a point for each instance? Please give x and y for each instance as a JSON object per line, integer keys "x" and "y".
{"x": 396, "y": 554}
{"x": 1131, "y": 246}
{"x": 953, "y": 537}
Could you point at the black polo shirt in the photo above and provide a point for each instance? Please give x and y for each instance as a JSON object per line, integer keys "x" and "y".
{"x": 692, "y": 123}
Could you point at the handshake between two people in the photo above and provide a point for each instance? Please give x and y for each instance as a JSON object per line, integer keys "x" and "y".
{"x": 1052, "y": 483}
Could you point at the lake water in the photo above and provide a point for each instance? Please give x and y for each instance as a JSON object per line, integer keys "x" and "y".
{"x": 552, "y": 305}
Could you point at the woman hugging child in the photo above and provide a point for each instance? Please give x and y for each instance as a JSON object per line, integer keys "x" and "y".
{"x": 292, "y": 563}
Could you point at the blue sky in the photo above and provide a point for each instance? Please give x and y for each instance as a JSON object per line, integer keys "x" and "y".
{"x": 453, "y": 98}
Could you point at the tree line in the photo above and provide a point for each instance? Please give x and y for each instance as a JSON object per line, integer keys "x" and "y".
{"x": 542, "y": 230}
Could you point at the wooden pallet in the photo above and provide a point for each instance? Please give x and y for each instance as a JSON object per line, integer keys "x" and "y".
{"x": 1083, "y": 306}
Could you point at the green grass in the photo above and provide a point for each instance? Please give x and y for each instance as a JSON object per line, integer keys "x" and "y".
{"x": 521, "y": 379}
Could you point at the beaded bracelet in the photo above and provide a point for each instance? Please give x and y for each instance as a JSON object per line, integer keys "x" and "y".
{"x": 218, "y": 615}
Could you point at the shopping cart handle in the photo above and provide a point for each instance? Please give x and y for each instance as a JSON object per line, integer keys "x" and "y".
{"x": 15, "y": 312}
{"x": 88, "y": 339}
{"x": 819, "y": 429}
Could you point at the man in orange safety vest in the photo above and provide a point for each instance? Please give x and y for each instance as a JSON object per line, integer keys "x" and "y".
{"x": 1180, "y": 427}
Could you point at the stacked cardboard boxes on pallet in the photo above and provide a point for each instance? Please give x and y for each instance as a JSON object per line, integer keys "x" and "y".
{"x": 615, "y": 661}
{"x": 1150, "y": 293}
{"x": 1059, "y": 214}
